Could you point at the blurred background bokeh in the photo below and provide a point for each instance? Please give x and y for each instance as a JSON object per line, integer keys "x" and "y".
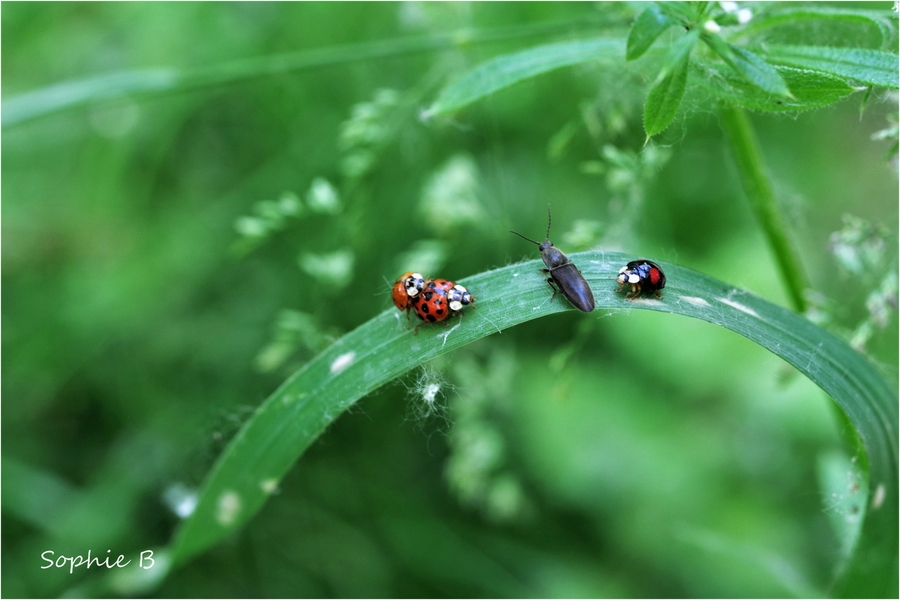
{"x": 169, "y": 258}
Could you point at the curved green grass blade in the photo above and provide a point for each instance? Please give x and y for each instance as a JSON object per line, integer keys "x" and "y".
{"x": 141, "y": 82}
{"x": 506, "y": 70}
{"x": 385, "y": 347}
{"x": 53, "y": 98}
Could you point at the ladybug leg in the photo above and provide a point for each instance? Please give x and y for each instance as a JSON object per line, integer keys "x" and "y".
{"x": 634, "y": 293}
{"x": 657, "y": 294}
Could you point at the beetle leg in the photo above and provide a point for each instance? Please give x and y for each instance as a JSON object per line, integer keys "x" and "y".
{"x": 551, "y": 282}
{"x": 553, "y": 285}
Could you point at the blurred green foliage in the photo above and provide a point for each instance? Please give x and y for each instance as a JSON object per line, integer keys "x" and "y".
{"x": 168, "y": 259}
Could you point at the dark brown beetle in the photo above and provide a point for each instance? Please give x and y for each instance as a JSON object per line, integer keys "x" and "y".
{"x": 564, "y": 276}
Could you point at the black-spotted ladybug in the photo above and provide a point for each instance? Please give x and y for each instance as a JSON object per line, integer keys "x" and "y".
{"x": 440, "y": 299}
{"x": 406, "y": 289}
{"x": 564, "y": 276}
{"x": 643, "y": 276}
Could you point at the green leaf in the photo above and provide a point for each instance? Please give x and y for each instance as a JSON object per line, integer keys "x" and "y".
{"x": 809, "y": 89}
{"x": 145, "y": 82}
{"x": 795, "y": 15}
{"x": 504, "y": 71}
{"x": 59, "y": 96}
{"x": 842, "y": 482}
{"x": 649, "y": 25}
{"x": 685, "y": 12}
{"x": 872, "y": 67}
{"x": 664, "y": 99}
{"x": 385, "y": 347}
{"x": 750, "y": 66}
{"x": 667, "y": 92}
{"x": 679, "y": 51}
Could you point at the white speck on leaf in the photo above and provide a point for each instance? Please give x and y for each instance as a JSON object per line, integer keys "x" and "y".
{"x": 878, "y": 497}
{"x": 229, "y": 507}
{"x": 695, "y": 301}
{"x": 342, "y": 362}
{"x": 739, "y": 306}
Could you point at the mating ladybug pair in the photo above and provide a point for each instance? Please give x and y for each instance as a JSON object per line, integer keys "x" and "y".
{"x": 432, "y": 300}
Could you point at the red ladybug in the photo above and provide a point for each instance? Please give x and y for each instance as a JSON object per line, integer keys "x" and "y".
{"x": 407, "y": 288}
{"x": 643, "y": 276}
{"x": 441, "y": 299}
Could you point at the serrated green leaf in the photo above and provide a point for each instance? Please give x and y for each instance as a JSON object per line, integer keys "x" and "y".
{"x": 750, "y": 66}
{"x": 665, "y": 96}
{"x": 664, "y": 99}
{"x": 293, "y": 417}
{"x": 506, "y": 70}
{"x": 646, "y": 29}
{"x": 794, "y": 15}
{"x": 866, "y": 66}
{"x": 809, "y": 89}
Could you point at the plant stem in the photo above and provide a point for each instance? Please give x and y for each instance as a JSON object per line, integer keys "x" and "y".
{"x": 759, "y": 191}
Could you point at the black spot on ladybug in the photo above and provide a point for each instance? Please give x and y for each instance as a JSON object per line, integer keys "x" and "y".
{"x": 431, "y": 318}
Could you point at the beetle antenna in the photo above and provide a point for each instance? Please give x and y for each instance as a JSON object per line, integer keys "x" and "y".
{"x": 525, "y": 238}
{"x": 549, "y": 220}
